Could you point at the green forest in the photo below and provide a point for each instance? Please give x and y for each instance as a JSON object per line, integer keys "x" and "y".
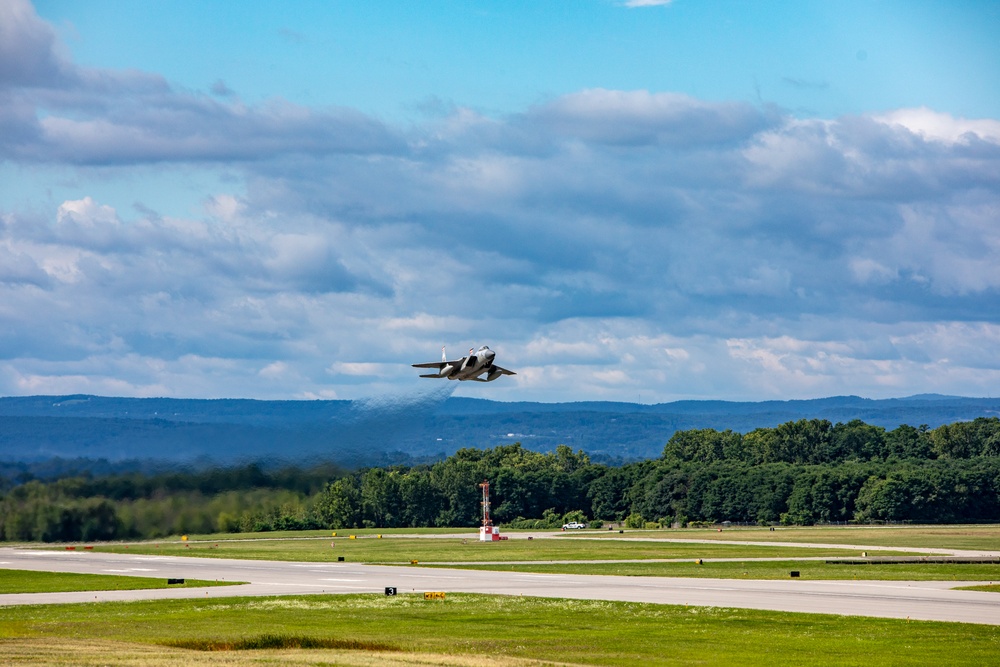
{"x": 800, "y": 472}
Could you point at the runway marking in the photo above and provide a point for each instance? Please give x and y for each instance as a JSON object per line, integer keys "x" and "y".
{"x": 134, "y": 569}
{"x": 285, "y": 583}
{"x": 354, "y": 580}
{"x": 320, "y": 587}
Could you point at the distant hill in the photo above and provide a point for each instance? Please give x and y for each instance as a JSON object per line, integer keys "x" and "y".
{"x": 407, "y": 429}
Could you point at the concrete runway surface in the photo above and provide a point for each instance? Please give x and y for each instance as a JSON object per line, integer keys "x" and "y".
{"x": 917, "y": 600}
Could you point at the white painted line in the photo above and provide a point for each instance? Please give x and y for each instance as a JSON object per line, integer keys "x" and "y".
{"x": 133, "y": 569}
{"x": 354, "y": 580}
{"x": 285, "y": 583}
{"x": 320, "y": 587}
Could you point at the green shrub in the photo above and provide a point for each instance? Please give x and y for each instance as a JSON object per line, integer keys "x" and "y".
{"x": 279, "y": 642}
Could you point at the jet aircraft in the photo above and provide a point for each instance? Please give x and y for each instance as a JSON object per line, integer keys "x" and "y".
{"x": 471, "y": 367}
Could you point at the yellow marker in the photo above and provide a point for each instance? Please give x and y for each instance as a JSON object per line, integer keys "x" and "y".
{"x": 184, "y": 538}
{"x": 352, "y": 537}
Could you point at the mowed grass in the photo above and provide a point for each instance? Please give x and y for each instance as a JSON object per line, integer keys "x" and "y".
{"x": 27, "y": 581}
{"x": 807, "y": 569}
{"x": 95, "y": 653}
{"x": 394, "y": 549}
{"x": 498, "y": 629}
{"x": 989, "y": 588}
{"x": 969, "y": 537}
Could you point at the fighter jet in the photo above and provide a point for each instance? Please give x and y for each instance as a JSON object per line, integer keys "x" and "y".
{"x": 472, "y": 367}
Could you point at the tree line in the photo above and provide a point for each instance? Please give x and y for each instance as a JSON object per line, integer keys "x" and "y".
{"x": 801, "y": 472}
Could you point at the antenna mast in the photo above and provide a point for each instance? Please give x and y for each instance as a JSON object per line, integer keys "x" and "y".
{"x": 487, "y": 521}
{"x": 487, "y": 533}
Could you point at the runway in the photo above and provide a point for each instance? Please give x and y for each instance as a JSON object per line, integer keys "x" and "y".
{"x": 916, "y": 600}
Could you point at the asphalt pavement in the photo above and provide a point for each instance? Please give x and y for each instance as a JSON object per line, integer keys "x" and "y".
{"x": 916, "y": 600}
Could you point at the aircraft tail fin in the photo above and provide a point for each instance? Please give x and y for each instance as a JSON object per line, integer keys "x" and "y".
{"x": 444, "y": 357}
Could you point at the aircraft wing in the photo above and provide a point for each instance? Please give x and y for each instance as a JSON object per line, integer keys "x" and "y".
{"x": 503, "y": 371}
{"x": 439, "y": 364}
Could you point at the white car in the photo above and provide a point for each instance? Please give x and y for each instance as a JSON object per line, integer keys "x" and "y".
{"x": 572, "y": 525}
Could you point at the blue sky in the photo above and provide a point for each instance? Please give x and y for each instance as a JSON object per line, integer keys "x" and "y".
{"x": 628, "y": 201}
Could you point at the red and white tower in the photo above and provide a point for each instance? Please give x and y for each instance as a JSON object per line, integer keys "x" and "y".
{"x": 487, "y": 532}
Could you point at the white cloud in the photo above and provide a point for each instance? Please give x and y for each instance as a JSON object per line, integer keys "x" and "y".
{"x": 606, "y": 243}
{"x": 274, "y": 370}
{"x": 86, "y": 212}
{"x": 29, "y": 51}
{"x": 639, "y": 117}
{"x": 360, "y": 369}
{"x": 225, "y": 207}
{"x": 943, "y": 127}
{"x": 867, "y": 270}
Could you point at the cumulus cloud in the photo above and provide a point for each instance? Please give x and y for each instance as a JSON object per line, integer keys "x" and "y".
{"x": 19, "y": 268}
{"x": 636, "y": 118}
{"x": 943, "y": 127}
{"x": 608, "y": 244}
{"x": 29, "y": 51}
{"x": 95, "y": 117}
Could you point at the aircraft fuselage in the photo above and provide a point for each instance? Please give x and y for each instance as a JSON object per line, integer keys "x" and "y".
{"x": 477, "y": 365}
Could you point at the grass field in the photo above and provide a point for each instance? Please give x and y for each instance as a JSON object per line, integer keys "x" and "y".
{"x": 474, "y": 629}
{"x": 440, "y": 546}
{"x": 485, "y": 631}
{"x": 807, "y": 569}
{"x": 392, "y": 548}
{"x": 991, "y": 588}
{"x": 973, "y": 537}
{"x": 26, "y": 581}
